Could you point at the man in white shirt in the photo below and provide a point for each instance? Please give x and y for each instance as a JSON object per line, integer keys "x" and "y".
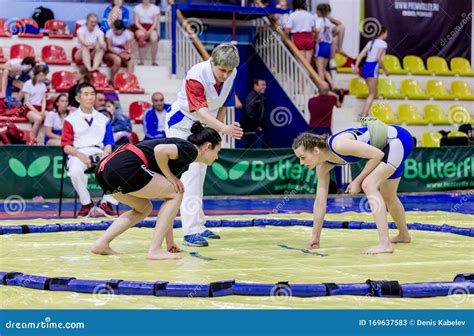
{"x": 91, "y": 43}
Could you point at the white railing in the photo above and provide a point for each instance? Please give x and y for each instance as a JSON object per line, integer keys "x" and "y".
{"x": 290, "y": 74}
{"x": 186, "y": 56}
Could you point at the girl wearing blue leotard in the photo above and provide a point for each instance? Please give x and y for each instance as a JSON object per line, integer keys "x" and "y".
{"x": 379, "y": 179}
{"x": 375, "y": 51}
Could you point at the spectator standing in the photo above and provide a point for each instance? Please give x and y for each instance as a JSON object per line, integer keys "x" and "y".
{"x": 119, "y": 48}
{"x": 302, "y": 25}
{"x": 320, "y": 109}
{"x": 14, "y": 74}
{"x": 115, "y": 11}
{"x": 154, "y": 118}
{"x": 91, "y": 44}
{"x": 87, "y": 134}
{"x": 146, "y": 28}
{"x": 252, "y": 120}
{"x": 54, "y": 120}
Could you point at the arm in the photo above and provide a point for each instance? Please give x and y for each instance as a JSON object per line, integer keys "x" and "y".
{"x": 5, "y": 71}
{"x": 362, "y": 150}
{"x": 155, "y": 22}
{"x": 125, "y": 16}
{"x": 108, "y": 41}
{"x": 101, "y": 40}
{"x": 320, "y": 203}
{"x": 359, "y": 59}
{"x": 81, "y": 40}
{"x": 48, "y": 131}
{"x": 221, "y": 114}
{"x": 137, "y": 21}
{"x": 338, "y": 102}
{"x": 334, "y": 21}
{"x": 43, "y": 106}
{"x": 28, "y": 103}
{"x": 233, "y": 130}
{"x": 380, "y": 60}
{"x": 164, "y": 153}
{"x": 105, "y": 19}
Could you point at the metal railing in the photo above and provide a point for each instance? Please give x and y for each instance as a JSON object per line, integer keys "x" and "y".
{"x": 290, "y": 74}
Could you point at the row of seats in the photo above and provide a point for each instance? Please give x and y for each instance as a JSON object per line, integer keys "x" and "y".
{"x": 411, "y": 89}
{"x": 432, "y": 114}
{"x": 414, "y": 65}
{"x": 124, "y": 82}
{"x": 56, "y": 29}
{"x": 433, "y": 139}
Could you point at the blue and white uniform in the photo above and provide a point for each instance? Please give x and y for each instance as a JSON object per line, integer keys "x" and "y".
{"x": 400, "y": 145}
{"x": 371, "y": 66}
{"x": 199, "y": 90}
{"x": 325, "y": 28}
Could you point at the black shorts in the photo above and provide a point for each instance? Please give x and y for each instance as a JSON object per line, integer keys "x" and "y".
{"x": 124, "y": 173}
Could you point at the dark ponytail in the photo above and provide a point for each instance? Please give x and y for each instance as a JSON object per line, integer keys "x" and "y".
{"x": 200, "y": 135}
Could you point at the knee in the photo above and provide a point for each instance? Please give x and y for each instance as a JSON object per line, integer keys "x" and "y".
{"x": 368, "y": 186}
{"x": 146, "y": 209}
{"x": 75, "y": 171}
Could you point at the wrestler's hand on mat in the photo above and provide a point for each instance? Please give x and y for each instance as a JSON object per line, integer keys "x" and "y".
{"x": 353, "y": 188}
{"x": 355, "y": 70}
{"x": 314, "y": 242}
{"x": 177, "y": 184}
{"x": 84, "y": 158}
{"x": 234, "y": 130}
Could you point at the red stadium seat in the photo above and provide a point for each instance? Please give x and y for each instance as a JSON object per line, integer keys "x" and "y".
{"x": 62, "y": 81}
{"x": 127, "y": 82}
{"x": 2, "y": 56}
{"x": 73, "y": 52}
{"x": 23, "y": 25}
{"x": 99, "y": 80}
{"x": 4, "y": 30}
{"x": 136, "y": 110}
{"x": 53, "y": 54}
{"x": 21, "y": 51}
{"x": 12, "y": 115}
{"x": 57, "y": 29}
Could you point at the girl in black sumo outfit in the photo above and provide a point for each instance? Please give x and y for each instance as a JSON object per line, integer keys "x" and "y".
{"x": 136, "y": 174}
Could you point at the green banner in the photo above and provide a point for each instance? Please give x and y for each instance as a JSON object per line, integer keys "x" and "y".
{"x": 28, "y": 171}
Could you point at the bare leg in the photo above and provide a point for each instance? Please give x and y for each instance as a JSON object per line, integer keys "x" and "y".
{"x": 116, "y": 62}
{"x": 371, "y": 186}
{"x": 54, "y": 142}
{"x": 86, "y": 58}
{"x": 154, "y": 46}
{"x": 388, "y": 190}
{"x": 372, "y": 85}
{"x": 98, "y": 56}
{"x": 37, "y": 121}
{"x": 139, "y": 34}
{"x": 141, "y": 208}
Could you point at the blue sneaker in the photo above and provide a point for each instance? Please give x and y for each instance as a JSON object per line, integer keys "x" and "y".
{"x": 209, "y": 234}
{"x": 195, "y": 240}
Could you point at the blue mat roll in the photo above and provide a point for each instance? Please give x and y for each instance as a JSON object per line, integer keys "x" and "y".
{"x": 429, "y": 289}
{"x": 187, "y": 290}
{"x": 31, "y": 281}
{"x": 44, "y": 228}
{"x": 59, "y": 284}
{"x": 12, "y": 229}
{"x": 253, "y": 289}
{"x": 308, "y": 290}
{"x": 94, "y": 286}
{"x": 464, "y": 277}
{"x": 213, "y": 223}
{"x": 221, "y": 288}
{"x": 236, "y": 223}
{"x": 72, "y": 226}
{"x": 97, "y": 226}
{"x": 10, "y": 279}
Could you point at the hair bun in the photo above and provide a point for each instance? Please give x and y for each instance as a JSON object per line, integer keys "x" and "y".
{"x": 197, "y": 127}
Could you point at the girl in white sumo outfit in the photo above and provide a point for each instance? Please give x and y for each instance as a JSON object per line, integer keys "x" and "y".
{"x": 206, "y": 92}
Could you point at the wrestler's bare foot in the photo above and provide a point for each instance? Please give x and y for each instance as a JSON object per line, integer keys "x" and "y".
{"x": 381, "y": 248}
{"x": 162, "y": 255}
{"x": 103, "y": 249}
{"x": 401, "y": 239}
{"x": 173, "y": 248}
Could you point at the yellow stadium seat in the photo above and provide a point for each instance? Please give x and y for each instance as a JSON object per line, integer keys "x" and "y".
{"x": 461, "y": 66}
{"x": 434, "y": 114}
{"x": 387, "y": 89}
{"x": 409, "y": 114}
{"x": 392, "y": 63}
{"x": 431, "y": 139}
{"x": 437, "y": 90}
{"x": 459, "y": 114}
{"x": 414, "y": 65}
{"x": 438, "y": 66}
{"x": 358, "y": 87}
{"x": 454, "y": 134}
{"x": 344, "y": 70}
{"x": 410, "y": 88}
{"x": 461, "y": 90}
{"x": 383, "y": 112}
{"x": 339, "y": 59}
